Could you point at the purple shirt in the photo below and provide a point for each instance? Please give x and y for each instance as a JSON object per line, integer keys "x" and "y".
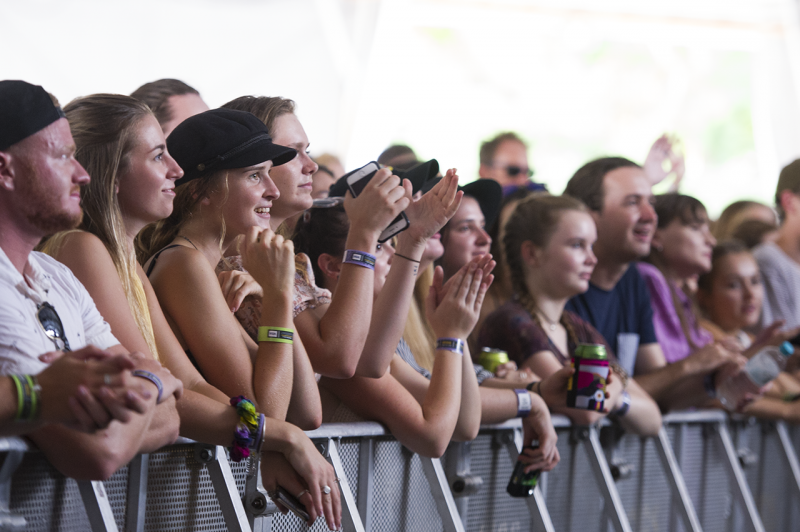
{"x": 665, "y": 319}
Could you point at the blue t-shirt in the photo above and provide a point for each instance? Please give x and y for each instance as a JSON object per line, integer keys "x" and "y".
{"x": 623, "y": 315}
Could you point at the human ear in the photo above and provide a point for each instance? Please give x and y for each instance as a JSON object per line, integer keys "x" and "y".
{"x": 788, "y": 201}
{"x": 6, "y": 171}
{"x": 531, "y": 255}
{"x": 330, "y": 266}
{"x": 657, "y": 243}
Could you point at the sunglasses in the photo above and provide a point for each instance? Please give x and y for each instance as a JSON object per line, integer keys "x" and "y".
{"x": 52, "y": 326}
{"x": 530, "y": 186}
{"x": 514, "y": 171}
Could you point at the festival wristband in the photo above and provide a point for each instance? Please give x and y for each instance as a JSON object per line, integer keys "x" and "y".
{"x": 27, "y": 397}
{"x": 152, "y": 378}
{"x": 626, "y": 405}
{"x": 524, "y": 403}
{"x": 280, "y": 335}
{"x": 359, "y": 258}
{"x": 451, "y": 344}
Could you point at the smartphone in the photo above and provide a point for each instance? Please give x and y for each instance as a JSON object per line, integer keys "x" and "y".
{"x": 357, "y": 180}
{"x": 292, "y": 504}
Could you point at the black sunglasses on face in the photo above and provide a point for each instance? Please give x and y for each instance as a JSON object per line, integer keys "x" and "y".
{"x": 514, "y": 171}
{"x": 52, "y": 326}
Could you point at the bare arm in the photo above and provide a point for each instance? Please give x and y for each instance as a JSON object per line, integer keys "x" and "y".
{"x": 334, "y": 335}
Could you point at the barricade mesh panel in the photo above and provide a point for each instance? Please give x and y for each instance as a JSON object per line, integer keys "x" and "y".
{"x": 402, "y": 500}
{"x": 769, "y": 477}
{"x": 492, "y": 509}
{"x": 45, "y": 498}
{"x": 645, "y": 494}
{"x": 702, "y": 462}
{"x": 117, "y": 492}
{"x": 180, "y": 496}
{"x": 573, "y": 498}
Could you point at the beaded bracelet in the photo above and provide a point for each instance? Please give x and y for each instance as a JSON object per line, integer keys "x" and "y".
{"x": 246, "y": 429}
{"x": 279, "y": 335}
{"x": 27, "y": 397}
{"x": 359, "y": 258}
{"x": 524, "y": 403}
{"x": 152, "y": 378}
{"x": 451, "y": 344}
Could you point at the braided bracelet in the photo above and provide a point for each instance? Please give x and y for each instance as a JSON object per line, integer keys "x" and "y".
{"x": 279, "y": 335}
{"x": 27, "y": 397}
{"x": 359, "y": 258}
{"x": 246, "y": 429}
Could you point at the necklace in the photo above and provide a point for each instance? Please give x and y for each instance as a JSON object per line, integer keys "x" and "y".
{"x": 189, "y": 241}
{"x": 551, "y": 324}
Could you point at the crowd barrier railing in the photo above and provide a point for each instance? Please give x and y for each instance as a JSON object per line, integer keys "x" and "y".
{"x": 703, "y": 472}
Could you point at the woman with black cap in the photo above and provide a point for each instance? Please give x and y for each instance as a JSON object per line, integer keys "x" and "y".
{"x": 225, "y": 192}
{"x": 120, "y": 142}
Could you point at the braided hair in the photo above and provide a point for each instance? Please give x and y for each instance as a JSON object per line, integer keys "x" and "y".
{"x": 534, "y": 220}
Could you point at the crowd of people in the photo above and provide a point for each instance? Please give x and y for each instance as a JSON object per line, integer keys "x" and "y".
{"x": 168, "y": 269}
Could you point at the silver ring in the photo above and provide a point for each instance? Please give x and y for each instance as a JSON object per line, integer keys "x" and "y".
{"x": 302, "y": 493}
{"x": 338, "y": 480}
{"x": 107, "y": 379}
{"x": 326, "y": 490}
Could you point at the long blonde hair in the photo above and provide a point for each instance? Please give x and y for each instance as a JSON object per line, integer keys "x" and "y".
{"x": 104, "y": 127}
{"x": 418, "y": 333}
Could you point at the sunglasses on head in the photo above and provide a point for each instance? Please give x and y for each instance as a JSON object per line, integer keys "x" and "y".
{"x": 52, "y": 326}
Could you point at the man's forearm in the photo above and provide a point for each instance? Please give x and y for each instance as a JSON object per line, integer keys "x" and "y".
{"x": 673, "y": 389}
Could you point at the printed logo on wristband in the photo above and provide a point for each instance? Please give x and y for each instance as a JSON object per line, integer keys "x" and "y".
{"x": 451, "y": 344}
{"x": 524, "y": 403}
{"x": 279, "y": 335}
{"x": 359, "y": 258}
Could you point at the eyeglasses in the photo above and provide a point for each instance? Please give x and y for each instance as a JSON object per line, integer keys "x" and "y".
{"x": 52, "y": 326}
{"x": 513, "y": 170}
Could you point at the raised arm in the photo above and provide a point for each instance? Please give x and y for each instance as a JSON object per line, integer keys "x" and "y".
{"x": 427, "y": 216}
{"x": 334, "y": 334}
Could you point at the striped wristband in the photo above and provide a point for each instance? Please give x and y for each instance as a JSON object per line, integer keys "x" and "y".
{"x": 27, "y": 397}
{"x": 359, "y": 258}
{"x": 279, "y": 335}
{"x": 451, "y": 344}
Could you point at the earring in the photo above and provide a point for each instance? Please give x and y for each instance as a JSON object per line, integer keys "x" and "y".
{"x": 658, "y": 247}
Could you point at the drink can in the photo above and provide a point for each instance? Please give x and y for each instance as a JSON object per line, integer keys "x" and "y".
{"x": 522, "y": 484}
{"x": 586, "y": 388}
{"x": 490, "y": 358}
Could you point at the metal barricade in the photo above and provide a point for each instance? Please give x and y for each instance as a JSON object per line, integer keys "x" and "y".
{"x": 689, "y": 478}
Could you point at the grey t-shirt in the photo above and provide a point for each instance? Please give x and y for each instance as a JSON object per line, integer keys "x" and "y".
{"x": 781, "y": 277}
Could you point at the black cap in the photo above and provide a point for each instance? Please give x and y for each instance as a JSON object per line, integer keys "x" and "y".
{"x": 418, "y": 176}
{"x": 223, "y": 139}
{"x": 24, "y": 110}
{"x": 487, "y": 192}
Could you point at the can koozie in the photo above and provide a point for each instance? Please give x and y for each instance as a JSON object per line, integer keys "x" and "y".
{"x": 586, "y": 388}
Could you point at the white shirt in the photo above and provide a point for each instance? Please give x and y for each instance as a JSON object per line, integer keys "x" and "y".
{"x": 22, "y": 337}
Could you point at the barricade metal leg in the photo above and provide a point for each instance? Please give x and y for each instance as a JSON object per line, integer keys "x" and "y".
{"x": 789, "y": 455}
{"x": 605, "y": 481}
{"x": 440, "y": 489}
{"x": 137, "y": 493}
{"x": 9, "y": 521}
{"x": 680, "y": 494}
{"x": 98, "y": 508}
{"x": 219, "y": 469}
{"x": 351, "y": 521}
{"x": 257, "y": 504}
{"x": 536, "y": 504}
{"x": 742, "y": 491}
{"x": 457, "y": 468}
{"x": 366, "y": 476}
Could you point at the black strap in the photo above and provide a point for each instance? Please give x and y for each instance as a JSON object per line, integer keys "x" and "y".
{"x": 155, "y": 258}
